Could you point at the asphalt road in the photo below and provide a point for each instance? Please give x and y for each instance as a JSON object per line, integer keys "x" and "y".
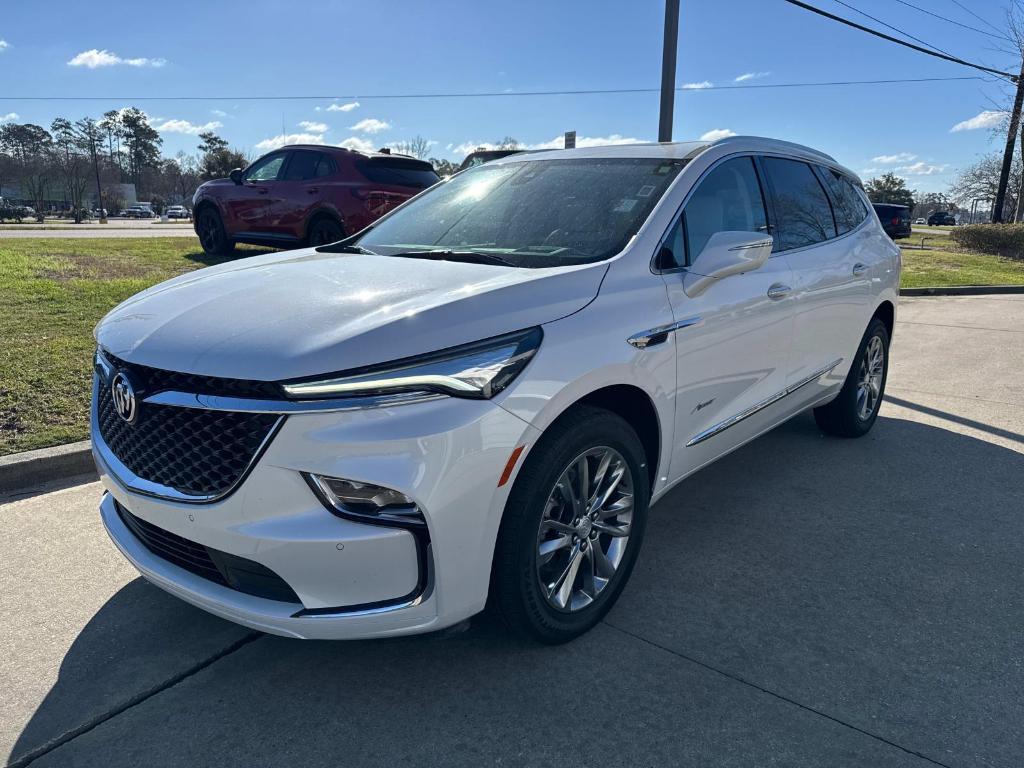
{"x": 806, "y": 601}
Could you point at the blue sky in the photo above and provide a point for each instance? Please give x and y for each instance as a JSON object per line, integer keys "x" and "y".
{"x": 361, "y": 49}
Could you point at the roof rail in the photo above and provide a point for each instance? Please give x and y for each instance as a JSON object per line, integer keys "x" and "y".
{"x": 777, "y": 142}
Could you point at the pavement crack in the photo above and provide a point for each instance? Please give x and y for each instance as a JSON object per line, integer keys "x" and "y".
{"x": 139, "y": 698}
{"x": 774, "y": 694}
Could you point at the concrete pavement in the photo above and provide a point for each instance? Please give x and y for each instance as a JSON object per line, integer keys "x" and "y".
{"x": 119, "y": 228}
{"x": 804, "y": 601}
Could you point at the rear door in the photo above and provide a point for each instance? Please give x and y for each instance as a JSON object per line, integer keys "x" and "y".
{"x": 733, "y": 340}
{"x": 252, "y": 205}
{"x": 302, "y": 190}
{"x": 821, "y": 236}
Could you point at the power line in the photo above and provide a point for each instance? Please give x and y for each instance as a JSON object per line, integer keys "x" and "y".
{"x": 890, "y": 26}
{"x": 498, "y": 94}
{"x": 979, "y": 18}
{"x": 957, "y": 23}
{"x": 891, "y": 39}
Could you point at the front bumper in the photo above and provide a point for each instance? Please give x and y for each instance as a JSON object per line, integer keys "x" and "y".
{"x": 352, "y": 579}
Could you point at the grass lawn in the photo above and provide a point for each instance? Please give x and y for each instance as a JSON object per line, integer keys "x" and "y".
{"x": 943, "y": 264}
{"x": 52, "y": 293}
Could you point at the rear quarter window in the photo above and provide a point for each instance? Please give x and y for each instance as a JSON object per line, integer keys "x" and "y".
{"x": 398, "y": 172}
{"x": 847, "y": 203}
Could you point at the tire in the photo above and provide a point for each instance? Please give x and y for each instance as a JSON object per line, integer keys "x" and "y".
{"x": 212, "y": 235}
{"x": 522, "y": 577}
{"x": 848, "y": 415}
{"x": 325, "y": 230}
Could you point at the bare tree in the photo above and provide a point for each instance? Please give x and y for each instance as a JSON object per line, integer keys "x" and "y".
{"x": 980, "y": 181}
{"x": 417, "y": 147}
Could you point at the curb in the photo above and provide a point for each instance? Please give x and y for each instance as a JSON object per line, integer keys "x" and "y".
{"x": 24, "y": 470}
{"x": 963, "y": 290}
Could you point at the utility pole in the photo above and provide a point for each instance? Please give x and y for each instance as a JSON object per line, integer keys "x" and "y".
{"x": 668, "y": 70}
{"x": 1011, "y": 141}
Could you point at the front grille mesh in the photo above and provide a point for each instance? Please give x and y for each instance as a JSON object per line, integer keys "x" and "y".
{"x": 197, "y": 452}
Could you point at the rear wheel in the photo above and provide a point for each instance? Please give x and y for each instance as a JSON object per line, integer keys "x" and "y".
{"x": 572, "y": 527}
{"x": 853, "y": 412}
{"x": 212, "y": 235}
{"x": 324, "y": 231}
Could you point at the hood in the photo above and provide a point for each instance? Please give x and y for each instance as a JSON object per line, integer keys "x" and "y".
{"x": 303, "y": 313}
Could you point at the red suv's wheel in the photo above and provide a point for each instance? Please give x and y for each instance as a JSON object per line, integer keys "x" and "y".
{"x": 324, "y": 231}
{"x": 212, "y": 236}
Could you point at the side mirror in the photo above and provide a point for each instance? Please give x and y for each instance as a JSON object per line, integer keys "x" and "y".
{"x": 726, "y": 253}
{"x": 236, "y": 175}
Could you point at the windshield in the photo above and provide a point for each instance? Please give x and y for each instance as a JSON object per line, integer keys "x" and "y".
{"x": 539, "y": 213}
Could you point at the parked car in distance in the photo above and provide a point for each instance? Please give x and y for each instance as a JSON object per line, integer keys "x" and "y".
{"x": 305, "y": 195}
{"x": 475, "y": 400}
{"x": 941, "y": 218}
{"x": 138, "y": 212}
{"x": 177, "y": 212}
{"x": 920, "y": 220}
{"x": 895, "y": 219}
{"x": 481, "y": 156}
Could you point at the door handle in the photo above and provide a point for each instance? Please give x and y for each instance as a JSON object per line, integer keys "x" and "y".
{"x": 859, "y": 269}
{"x": 779, "y": 291}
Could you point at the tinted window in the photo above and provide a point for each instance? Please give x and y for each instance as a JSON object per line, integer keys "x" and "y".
{"x": 727, "y": 200}
{"x": 534, "y": 214}
{"x": 265, "y": 169}
{"x": 803, "y": 211}
{"x": 847, "y": 204}
{"x": 399, "y": 171}
{"x": 325, "y": 167}
{"x": 302, "y": 166}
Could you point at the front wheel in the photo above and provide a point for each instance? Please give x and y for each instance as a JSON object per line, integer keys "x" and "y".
{"x": 211, "y": 233}
{"x": 853, "y": 412}
{"x": 572, "y": 527}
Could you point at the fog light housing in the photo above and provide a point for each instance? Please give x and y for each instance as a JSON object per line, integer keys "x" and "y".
{"x": 365, "y": 501}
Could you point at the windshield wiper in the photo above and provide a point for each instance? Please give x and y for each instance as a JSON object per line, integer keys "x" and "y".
{"x": 349, "y": 249}
{"x": 470, "y": 257}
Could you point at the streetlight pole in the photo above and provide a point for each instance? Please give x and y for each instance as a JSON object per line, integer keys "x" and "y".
{"x": 1011, "y": 141}
{"x": 668, "y": 70}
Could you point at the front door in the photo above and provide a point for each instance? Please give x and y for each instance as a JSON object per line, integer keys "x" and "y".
{"x": 253, "y": 204}
{"x": 732, "y": 340}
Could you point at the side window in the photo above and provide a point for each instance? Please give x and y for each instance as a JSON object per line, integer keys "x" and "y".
{"x": 265, "y": 169}
{"x": 325, "y": 167}
{"x": 803, "y": 211}
{"x": 728, "y": 199}
{"x": 847, "y": 203}
{"x": 302, "y": 166}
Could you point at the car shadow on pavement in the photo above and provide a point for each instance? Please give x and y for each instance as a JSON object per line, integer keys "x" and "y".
{"x": 804, "y": 601}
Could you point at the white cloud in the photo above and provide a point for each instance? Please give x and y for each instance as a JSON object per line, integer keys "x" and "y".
{"x": 921, "y": 168}
{"x": 94, "y": 58}
{"x": 184, "y": 126}
{"x": 371, "y": 125}
{"x": 751, "y": 76}
{"x": 869, "y": 171}
{"x": 697, "y": 86}
{"x": 218, "y": 112}
{"x": 342, "y": 107}
{"x": 4, "y": 45}
{"x": 899, "y": 157}
{"x": 986, "y": 119}
{"x": 312, "y": 127}
{"x": 717, "y": 133}
{"x": 10, "y": 117}
{"x": 358, "y": 143}
{"x": 284, "y": 139}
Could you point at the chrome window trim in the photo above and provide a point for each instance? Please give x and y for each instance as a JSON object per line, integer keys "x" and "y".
{"x": 732, "y": 421}
{"x": 767, "y": 194}
{"x": 287, "y": 407}
{"x": 144, "y": 487}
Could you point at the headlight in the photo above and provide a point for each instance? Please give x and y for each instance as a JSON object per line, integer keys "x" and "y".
{"x": 479, "y": 370}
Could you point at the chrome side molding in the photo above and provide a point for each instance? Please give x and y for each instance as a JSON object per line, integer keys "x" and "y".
{"x": 657, "y": 335}
{"x": 732, "y": 421}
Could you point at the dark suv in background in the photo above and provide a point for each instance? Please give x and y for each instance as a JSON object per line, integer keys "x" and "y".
{"x": 895, "y": 219}
{"x": 304, "y": 195}
{"x": 941, "y": 218}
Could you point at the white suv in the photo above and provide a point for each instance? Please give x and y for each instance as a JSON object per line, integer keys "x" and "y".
{"x": 477, "y": 398}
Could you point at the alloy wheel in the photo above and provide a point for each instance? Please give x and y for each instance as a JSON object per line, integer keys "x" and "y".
{"x": 585, "y": 529}
{"x": 869, "y": 382}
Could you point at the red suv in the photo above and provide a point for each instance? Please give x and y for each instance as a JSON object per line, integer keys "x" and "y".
{"x": 304, "y": 195}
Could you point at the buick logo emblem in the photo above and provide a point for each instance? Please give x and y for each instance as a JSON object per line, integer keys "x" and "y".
{"x": 123, "y": 393}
